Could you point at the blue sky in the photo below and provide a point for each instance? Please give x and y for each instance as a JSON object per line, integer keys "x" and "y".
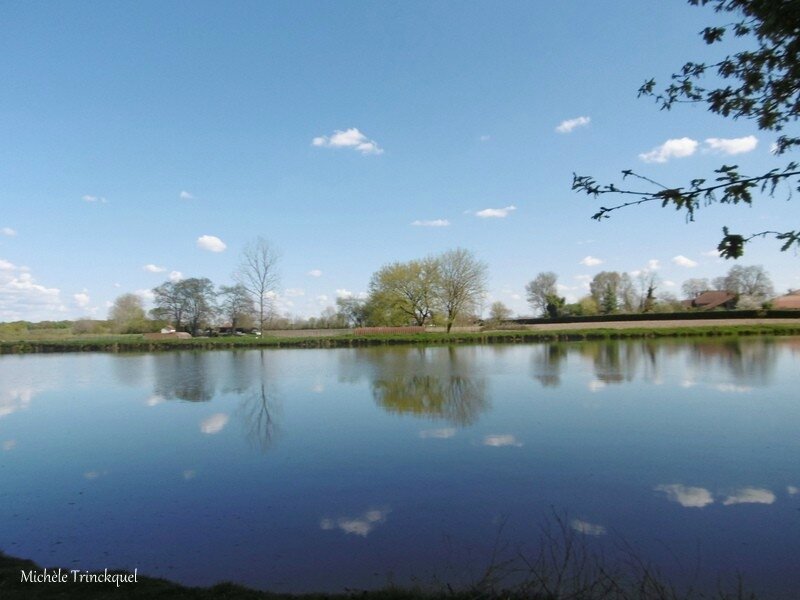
{"x": 150, "y": 139}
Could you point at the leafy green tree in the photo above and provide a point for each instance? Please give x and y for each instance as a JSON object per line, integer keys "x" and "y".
{"x": 352, "y": 311}
{"x": 761, "y": 83}
{"x": 408, "y": 288}
{"x": 127, "y": 315}
{"x": 499, "y": 312}
{"x": 539, "y": 289}
{"x": 555, "y": 305}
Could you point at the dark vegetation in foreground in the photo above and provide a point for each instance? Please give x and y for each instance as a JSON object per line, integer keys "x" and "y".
{"x": 564, "y": 568}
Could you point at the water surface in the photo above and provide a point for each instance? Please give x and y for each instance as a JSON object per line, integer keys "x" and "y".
{"x": 298, "y": 470}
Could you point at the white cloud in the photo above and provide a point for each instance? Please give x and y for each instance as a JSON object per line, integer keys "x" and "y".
{"x": 591, "y": 261}
{"x": 732, "y": 145}
{"x": 360, "y": 525}
{"x": 441, "y": 434}
{"x": 792, "y": 490}
{"x": 434, "y": 223}
{"x": 88, "y": 198}
{"x": 214, "y": 424}
{"x": 293, "y": 292}
{"x": 682, "y": 261}
{"x": 81, "y": 299}
{"x": 8, "y": 231}
{"x": 653, "y": 264}
{"x": 668, "y": 283}
{"x": 322, "y": 300}
{"x": 689, "y": 497}
{"x": 153, "y": 268}
{"x": 570, "y": 124}
{"x": 21, "y": 298}
{"x": 675, "y": 148}
{"x": 495, "y": 213}
{"x": 344, "y": 293}
{"x": 498, "y": 441}
{"x": 750, "y": 496}
{"x": 711, "y": 253}
{"x": 175, "y": 276}
{"x": 587, "y": 528}
{"x": 184, "y": 195}
{"x": 485, "y": 138}
{"x": 211, "y": 243}
{"x": 315, "y": 273}
{"x": 350, "y": 138}
{"x": 146, "y": 295}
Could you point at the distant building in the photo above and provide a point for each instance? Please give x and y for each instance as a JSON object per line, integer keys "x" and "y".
{"x": 788, "y": 301}
{"x": 712, "y": 299}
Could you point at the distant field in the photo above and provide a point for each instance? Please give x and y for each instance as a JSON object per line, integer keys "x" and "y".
{"x": 467, "y": 335}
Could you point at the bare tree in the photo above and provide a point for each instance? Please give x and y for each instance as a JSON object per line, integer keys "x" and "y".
{"x": 461, "y": 283}
{"x": 258, "y": 274}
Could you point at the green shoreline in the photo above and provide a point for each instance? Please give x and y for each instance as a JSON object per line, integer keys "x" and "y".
{"x": 140, "y": 344}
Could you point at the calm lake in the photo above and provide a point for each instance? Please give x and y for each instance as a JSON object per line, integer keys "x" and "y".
{"x": 299, "y": 470}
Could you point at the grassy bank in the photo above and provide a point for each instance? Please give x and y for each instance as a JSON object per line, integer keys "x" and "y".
{"x": 133, "y": 343}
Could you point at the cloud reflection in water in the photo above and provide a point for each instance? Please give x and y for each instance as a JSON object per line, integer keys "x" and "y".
{"x": 689, "y": 497}
{"x": 587, "y": 528}
{"x": 214, "y": 424}
{"x": 750, "y": 495}
{"x": 360, "y": 525}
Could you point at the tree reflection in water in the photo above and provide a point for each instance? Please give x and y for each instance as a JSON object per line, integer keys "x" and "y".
{"x": 426, "y": 382}
{"x": 183, "y": 376}
{"x": 547, "y": 361}
{"x": 259, "y": 411}
{"x": 201, "y": 376}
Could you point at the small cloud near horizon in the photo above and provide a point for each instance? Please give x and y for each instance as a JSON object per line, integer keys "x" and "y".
{"x": 682, "y": 261}
{"x": 432, "y": 223}
{"x": 151, "y": 268}
{"x": 350, "y": 138}
{"x": 90, "y": 199}
{"x": 570, "y": 124}
{"x": 591, "y": 261}
{"x": 315, "y": 273}
{"x": 184, "y": 195}
{"x": 8, "y": 231}
{"x": 495, "y": 213}
{"x": 211, "y": 243}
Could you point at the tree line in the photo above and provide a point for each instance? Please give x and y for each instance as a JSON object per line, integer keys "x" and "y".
{"x": 613, "y": 292}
